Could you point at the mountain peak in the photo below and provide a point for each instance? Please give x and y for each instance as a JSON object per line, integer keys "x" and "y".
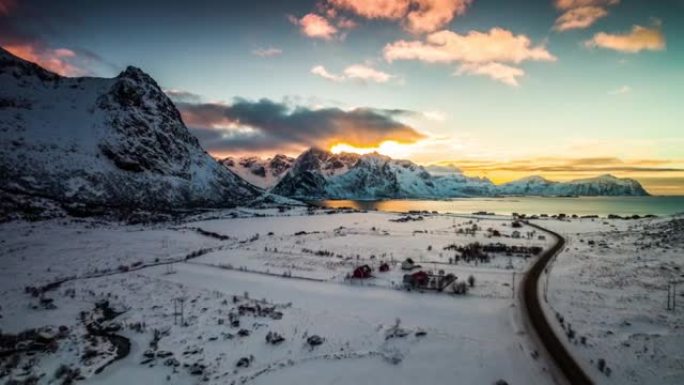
{"x": 122, "y": 142}
{"x": 134, "y": 73}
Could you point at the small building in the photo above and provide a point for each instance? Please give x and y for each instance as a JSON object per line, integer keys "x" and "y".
{"x": 362, "y": 272}
{"x": 384, "y": 267}
{"x": 424, "y": 280}
{"x": 541, "y": 238}
{"x": 515, "y": 234}
{"x": 418, "y": 279}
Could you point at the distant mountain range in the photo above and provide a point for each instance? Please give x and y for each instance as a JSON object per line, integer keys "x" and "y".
{"x": 116, "y": 142}
{"x": 319, "y": 174}
{"x": 121, "y": 142}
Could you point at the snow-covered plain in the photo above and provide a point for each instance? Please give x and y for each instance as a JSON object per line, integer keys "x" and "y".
{"x": 373, "y": 331}
{"x": 610, "y": 288}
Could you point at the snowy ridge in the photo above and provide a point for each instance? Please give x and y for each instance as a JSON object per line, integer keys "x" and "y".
{"x": 319, "y": 174}
{"x": 263, "y": 173}
{"x": 604, "y": 185}
{"x": 113, "y": 142}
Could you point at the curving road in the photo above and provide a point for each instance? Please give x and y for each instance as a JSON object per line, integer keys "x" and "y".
{"x": 532, "y": 304}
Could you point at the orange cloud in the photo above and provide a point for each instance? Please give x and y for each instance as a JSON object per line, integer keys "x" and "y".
{"x": 315, "y": 26}
{"x": 497, "y": 45}
{"x": 579, "y": 18}
{"x": 480, "y": 53}
{"x": 430, "y": 15}
{"x": 55, "y": 60}
{"x": 637, "y": 40}
{"x": 580, "y": 14}
{"x": 570, "y": 4}
{"x": 497, "y": 71}
{"x": 374, "y": 9}
{"x": 418, "y": 16}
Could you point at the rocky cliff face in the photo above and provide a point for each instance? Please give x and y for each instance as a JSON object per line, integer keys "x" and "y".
{"x": 111, "y": 142}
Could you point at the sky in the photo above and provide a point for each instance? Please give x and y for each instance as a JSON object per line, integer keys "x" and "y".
{"x": 565, "y": 89}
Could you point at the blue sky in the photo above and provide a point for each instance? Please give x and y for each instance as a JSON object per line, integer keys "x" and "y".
{"x": 613, "y": 104}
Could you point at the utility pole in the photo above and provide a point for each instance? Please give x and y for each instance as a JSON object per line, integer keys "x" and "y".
{"x": 674, "y": 296}
{"x": 178, "y": 311}
{"x": 673, "y": 284}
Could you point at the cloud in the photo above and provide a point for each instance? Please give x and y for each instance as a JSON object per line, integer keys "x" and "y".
{"x": 417, "y": 16}
{"x": 500, "y": 72}
{"x": 637, "y": 40}
{"x": 374, "y": 9}
{"x": 620, "y": 91}
{"x": 315, "y": 26}
{"x": 59, "y": 60}
{"x": 366, "y": 73}
{"x": 360, "y": 72}
{"x": 496, "y": 45}
{"x": 344, "y": 23}
{"x": 579, "y": 18}
{"x": 319, "y": 70}
{"x": 581, "y": 14}
{"x": 430, "y": 15}
{"x": 571, "y": 4}
{"x": 265, "y": 125}
{"x": 181, "y": 96}
{"x": 267, "y": 52}
{"x": 480, "y": 53}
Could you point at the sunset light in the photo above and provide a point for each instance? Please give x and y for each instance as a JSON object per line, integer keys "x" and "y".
{"x": 388, "y": 148}
{"x": 481, "y": 192}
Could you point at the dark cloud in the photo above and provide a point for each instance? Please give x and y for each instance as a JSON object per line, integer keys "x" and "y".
{"x": 265, "y": 125}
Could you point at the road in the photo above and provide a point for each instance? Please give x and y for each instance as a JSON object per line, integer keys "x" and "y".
{"x": 532, "y": 304}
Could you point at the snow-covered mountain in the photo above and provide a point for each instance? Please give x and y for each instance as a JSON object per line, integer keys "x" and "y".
{"x": 319, "y": 174}
{"x": 263, "y": 173}
{"x": 604, "y": 185}
{"x": 111, "y": 142}
{"x": 530, "y": 185}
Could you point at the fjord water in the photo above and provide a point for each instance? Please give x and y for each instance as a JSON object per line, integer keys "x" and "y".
{"x": 655, "y": 205}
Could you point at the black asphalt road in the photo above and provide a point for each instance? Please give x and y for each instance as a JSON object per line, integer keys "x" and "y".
{"x": 532, "y": 303}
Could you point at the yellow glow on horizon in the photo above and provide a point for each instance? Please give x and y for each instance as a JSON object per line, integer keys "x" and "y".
{"x": 388, "y": 148}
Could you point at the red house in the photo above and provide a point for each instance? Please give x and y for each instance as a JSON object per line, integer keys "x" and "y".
{"x": 420, "y": 278}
